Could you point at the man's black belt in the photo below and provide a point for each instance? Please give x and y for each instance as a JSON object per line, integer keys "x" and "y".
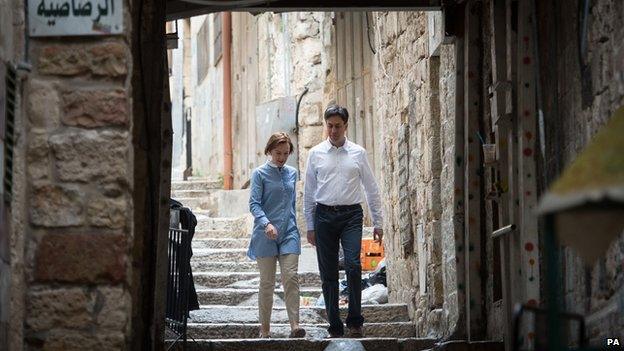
{"x": 338, "y": 208}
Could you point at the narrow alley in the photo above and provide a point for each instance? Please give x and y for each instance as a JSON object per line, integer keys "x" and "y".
{"x": 227, "y": 282}
{"x": 480, "y": 141}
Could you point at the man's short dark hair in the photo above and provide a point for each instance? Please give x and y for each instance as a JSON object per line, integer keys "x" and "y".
{"x": 336, "y": 110}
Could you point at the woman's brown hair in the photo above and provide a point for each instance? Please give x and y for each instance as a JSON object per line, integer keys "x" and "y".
{"x": 275, "y": 140}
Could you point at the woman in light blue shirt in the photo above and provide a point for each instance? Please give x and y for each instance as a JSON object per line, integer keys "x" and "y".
{"x": 275, "y": 236}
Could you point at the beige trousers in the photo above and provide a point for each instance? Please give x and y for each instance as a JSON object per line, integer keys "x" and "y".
{"x": 289, "y": 265}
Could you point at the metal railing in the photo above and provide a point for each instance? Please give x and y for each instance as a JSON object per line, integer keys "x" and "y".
{"x": 178, "y": 284}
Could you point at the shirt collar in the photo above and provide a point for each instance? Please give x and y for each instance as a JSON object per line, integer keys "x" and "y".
{"x": 273, "y": 165}
{"x": 328, "y": 145}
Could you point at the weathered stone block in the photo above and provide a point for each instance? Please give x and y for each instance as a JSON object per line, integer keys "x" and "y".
{"x": 103, "y": 59}
{"x": 109, "y": 59}
{"x": 37, "y": 156}
{"x": 308, "y": 28}
{"x": 115, "y": 308}
{"x": 81, "y": 258}
{"x": 59, "y": 308}
{"x": 42, "y": 104}
{"x": 86, "y": 156}
{"x": 95, "y": 108}
{"x": 55, "y": 206}
{"x": 311, "y": 135}
{"x": 107, "y": 212}
{"x": 312, "y": 114}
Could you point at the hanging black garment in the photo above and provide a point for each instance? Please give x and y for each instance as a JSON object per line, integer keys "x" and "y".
{"x": 188, "y": 222}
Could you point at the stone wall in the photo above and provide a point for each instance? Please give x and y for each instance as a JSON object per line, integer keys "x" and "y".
{"x": 579, "y": 98}
{"x": 416, "y": 99}
{"x": 178, "y": 90}
{"x": 273, "y": 56}
{"x": 452, "y": 220}
{"x": 79, "y": 168}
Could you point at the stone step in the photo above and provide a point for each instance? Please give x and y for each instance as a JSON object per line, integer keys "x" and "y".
{"x": 317, "y": 331}
{"x": 220, "y": 243}
{"x": 307, "y": 314}
{"x": 220, "y": 234}
{"x": 226, "y": 243}
{"x": 220, "y": 255}
{"x": 246, "y": 296}
{"x": 370, "y": 344}
{"x": 196, "y": 184}
{"x": 207, "y": 266}
{"x": 192, "y": 193}
{"x": 196, "y": 203}
{"x": 462, "y": 345}
{"x": 235, "y": 224}
{"x": 250, "y": 279}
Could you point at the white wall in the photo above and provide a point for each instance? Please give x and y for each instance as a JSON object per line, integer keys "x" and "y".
{"x": 177, "y": 113}
{"x": 207, "y": 122}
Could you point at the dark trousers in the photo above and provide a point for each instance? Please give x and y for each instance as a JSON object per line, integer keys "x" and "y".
{"x": 334, "y": 225}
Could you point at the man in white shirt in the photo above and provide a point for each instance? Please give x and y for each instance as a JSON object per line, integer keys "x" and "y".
{"x": 337, "y": 170}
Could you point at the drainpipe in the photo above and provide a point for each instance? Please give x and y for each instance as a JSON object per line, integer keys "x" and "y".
{"x": 226, "y": 40}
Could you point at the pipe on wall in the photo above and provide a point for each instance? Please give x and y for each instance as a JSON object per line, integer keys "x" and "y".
{"x": 226, "y": 40}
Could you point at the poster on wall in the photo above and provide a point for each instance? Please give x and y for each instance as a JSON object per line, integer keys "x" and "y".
{"x": 74, "y": 17}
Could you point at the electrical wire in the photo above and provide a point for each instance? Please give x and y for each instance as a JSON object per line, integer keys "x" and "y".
{"x": 305, "y": 91}
{"x": 370, "y": 45}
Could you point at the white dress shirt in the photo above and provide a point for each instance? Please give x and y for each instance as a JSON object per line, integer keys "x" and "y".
{"x": 335, "y": 176}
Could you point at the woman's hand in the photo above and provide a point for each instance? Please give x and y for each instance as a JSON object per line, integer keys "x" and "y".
{"x": 270, "y": 231}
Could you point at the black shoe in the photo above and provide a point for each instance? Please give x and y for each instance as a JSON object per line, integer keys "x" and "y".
{"x": 297, "y": 333}
{"x": 356, "y": 332}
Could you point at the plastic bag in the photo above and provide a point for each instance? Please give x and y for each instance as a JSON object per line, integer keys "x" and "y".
{"x": 344, "y": 287}
{"x": 379, "y": 275}
{"x": 320, "y": 302}
{"x": 376, "y": 294}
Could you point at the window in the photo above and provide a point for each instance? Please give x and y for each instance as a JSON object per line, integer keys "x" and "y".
{"x": 202, "y": 51}
{"x": 204, "y": 41}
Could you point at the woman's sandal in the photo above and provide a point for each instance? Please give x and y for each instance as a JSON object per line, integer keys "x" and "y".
{"x": 297, "y": 333}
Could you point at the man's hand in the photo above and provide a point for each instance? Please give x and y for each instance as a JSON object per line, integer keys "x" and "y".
{"x": 270, "y": 231}
{"x": 312, "y": 237}
{"x": 378, "y": 235}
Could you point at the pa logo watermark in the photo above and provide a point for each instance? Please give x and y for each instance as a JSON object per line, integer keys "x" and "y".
{"x": 613, "y": 342}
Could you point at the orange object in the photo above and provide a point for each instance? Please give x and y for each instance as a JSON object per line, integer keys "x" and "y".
{"x": 372, "y": 253}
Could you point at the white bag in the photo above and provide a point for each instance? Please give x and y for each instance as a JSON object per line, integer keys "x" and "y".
{"x": 376, "y": 294}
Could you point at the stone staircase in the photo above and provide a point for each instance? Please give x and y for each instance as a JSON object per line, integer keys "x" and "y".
{"x": 227, "y": 286}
